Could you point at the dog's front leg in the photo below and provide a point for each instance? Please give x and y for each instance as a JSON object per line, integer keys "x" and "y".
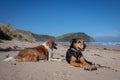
{"x": 50, "y": 55}
{"x": 73, "y": 62}
{"x": 86, "y": 65}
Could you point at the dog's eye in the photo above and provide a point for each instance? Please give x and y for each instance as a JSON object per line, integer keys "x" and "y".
{"x": 55, "y": 44}
{"x": 79, "y": 42}
{"x": 75, "y": 42}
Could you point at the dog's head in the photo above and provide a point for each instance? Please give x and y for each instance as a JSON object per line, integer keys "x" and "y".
{"x": 51, "y": 44}
{"x": 78, "y": 44}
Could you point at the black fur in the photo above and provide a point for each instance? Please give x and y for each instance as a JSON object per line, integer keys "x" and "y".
{"x": 71, "y": 52}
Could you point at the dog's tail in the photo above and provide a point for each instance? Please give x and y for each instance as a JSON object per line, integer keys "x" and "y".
{"x": 9, "y": 58}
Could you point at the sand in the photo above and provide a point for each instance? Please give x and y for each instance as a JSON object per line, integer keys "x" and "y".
{"x": 109, "y": 58}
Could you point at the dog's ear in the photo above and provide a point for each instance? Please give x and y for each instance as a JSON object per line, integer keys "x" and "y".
{"x": 72, "y": 40}
{"x": 49, "y": 43}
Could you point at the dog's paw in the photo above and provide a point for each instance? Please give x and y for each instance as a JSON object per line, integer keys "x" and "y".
{"x": 92, "y": 68}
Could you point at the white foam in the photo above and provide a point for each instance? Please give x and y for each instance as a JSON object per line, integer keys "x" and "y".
{"x": 108, "y": 44}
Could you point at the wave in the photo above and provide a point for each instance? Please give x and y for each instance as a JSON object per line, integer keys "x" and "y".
{"x": 103, "y": 44}
{"x": 106, "y": 44}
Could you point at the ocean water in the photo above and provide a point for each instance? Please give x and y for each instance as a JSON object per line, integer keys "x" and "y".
{"x": 106, "y": 44}
{"x": 103, "y": 44}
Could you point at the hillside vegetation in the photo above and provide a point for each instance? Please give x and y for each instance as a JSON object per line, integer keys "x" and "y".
{"x": 40, "y": 37}
{"x": 8, "y": 33}
{"x": 69, "y": 36}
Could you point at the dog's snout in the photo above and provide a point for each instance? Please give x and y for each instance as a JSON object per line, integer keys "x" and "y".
{"x": 55, "y": 46}
{"x": 81, "y": 46}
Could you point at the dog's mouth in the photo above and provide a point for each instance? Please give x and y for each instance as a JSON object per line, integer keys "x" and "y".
{"x": 55, "y": 46}
{"x": 81, "y": 48}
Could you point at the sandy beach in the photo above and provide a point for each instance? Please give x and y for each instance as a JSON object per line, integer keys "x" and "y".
{"x": 108, "y": 58}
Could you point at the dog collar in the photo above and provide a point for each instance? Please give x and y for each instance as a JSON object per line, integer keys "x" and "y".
{"x": 73, "y": 49}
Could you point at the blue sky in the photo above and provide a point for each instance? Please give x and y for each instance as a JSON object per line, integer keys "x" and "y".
{"x": 97, "y": 18}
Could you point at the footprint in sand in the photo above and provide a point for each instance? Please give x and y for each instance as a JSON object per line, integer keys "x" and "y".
{"x": 63, "y": 75}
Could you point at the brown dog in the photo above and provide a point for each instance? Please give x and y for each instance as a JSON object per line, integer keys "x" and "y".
{"x": 75, "y": 57}
{"x": 41, "y": 52}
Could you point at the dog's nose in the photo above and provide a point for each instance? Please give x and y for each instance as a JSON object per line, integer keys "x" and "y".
{"x": 55, "y": 47}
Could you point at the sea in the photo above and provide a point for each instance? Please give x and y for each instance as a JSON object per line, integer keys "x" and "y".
{"x": 106, "y": 44}
{"x": 102, "y": 44}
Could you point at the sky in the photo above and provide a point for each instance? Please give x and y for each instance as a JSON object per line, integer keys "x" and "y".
{"x": 97, "y": 18}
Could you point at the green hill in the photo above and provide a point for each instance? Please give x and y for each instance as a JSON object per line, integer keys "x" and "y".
{"x": 40, "y": 37}
{"x": 69, "y": 36}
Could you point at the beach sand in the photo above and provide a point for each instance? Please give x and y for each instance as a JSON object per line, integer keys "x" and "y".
{"x": 108, "y": 58}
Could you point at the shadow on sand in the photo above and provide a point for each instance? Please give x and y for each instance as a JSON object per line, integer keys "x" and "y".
{"x": 9, "y": 49}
